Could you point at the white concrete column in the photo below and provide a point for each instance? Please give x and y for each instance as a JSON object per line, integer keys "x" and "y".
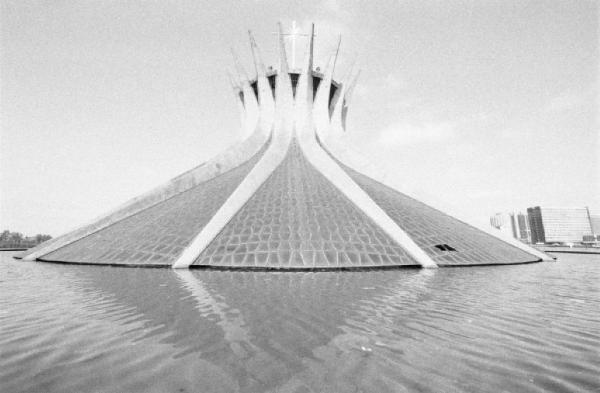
{"x": 221, "y": 163}
{"x": 235, "y": 329}
{"x": 333, "y": 140}
{"x": 321, "y": 104}
{"x": 251, "y": 109}
{"x": 305, "y": 132}
{"x": 238, "y": 95}
{"x": 266, "y": 102}
{"x": 281, "y": 137}
{"x": 329, "y": 168}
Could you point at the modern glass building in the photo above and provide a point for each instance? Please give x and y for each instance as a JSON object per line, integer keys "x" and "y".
{"x": 595, "y": 224}
{"x": 520, "y": 227}
{"x": 513, "y": 224}
{"x": 559, "y": 224}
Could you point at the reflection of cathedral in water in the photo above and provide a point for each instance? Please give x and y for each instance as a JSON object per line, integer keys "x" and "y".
{"x": 260, "y": 326}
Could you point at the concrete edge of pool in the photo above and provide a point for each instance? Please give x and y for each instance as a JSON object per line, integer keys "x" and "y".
{"x": 283, "y": 269}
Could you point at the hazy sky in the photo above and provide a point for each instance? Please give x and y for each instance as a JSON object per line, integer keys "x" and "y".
{"x": 475, "y": 107}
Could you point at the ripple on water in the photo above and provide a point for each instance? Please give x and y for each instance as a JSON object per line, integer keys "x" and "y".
{"x": 530, "y": 328}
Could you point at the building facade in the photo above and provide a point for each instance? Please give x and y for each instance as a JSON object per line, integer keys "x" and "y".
{"x": 595, "y": 219}
{"x": 502, "y": 222}
{"x": 521, "y": 227}
{"x": 513, "y": 224}
{"x": 559, "y": 225}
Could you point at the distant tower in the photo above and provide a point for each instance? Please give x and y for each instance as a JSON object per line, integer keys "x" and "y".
{"x": 291, "y": 195}
{"x": 502, "y": 222}
{"x": 595, "y": 221}
{"x": 522, "y": 223}
{"x": 559, "y": 224}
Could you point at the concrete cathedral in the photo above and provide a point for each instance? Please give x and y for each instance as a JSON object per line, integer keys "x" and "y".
{"x": 290, "y": 196}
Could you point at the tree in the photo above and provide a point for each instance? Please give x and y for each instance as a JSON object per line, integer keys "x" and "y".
{"x": 39, "y": 238}
{"x": 16, "y": 237}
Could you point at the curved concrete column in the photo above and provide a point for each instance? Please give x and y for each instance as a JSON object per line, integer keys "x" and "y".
{"x": 332, "y": 138}
{"x": 266, "y": 103}
{"x": 250, "y": 103}
{"x": 321, "y": 112}
{"x": 330, "y": 131}
{"x": 331, "y": 135}
{"x": 354, "y": 160}
{"x": 223, "y": 162}
{"x": 329, "y": 168}
{"x": 304, "y": 89}
{"x": 234, "y": 327}
{"x": 284, "y": 96}
{"x": 321, "y": 104}
{"x": 239, "y": 99}
{"x": 282, "y": 124}
{"x": 305, "y": 133}
{"x": 341, "y": 103}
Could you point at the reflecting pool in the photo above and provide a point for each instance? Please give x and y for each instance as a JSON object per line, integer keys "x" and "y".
{"x": 525, "y": 328}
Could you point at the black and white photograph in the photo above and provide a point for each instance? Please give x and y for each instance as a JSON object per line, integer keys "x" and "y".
{"x": 299, "y": 196}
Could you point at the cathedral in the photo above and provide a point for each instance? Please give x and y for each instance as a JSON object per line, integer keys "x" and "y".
{"x": 290, "y": 196}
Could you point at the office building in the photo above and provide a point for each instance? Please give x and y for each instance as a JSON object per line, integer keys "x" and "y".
{"x": 558, "y": 224}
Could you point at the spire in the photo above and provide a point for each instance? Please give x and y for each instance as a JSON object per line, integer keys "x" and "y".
{"x": 309, "y": 64}
{"x": 266, "y": 104}
{"x": 350, "y": 88}
{"x": 259, "y": 65}
{"x": 239, "y": 99}
{"x": 284, "y": 97}
{"x": 321, "y": 105}
{"x": 283, "y": 63}
{"x": 304, "y": 88}
{"x": 337, "y": 51}
{"x": 311, "y": 40}
{"x": 339, "y": 109}
{"x": 325, "y": 85}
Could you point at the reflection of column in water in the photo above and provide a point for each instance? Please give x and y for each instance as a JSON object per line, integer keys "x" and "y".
{"x": 351, "y": 359}
{"x": 258, "y": 367}
{"x": 307, "y": 329}
{"x": 400, "y": 299}
{"x": 229, "y": 319}
{"x": 410, "y": 288}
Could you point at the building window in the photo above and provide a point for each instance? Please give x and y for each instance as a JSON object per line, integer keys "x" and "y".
{"x": 445, "y": 247}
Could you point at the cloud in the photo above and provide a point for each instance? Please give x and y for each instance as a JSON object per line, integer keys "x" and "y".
{"x": 564, "y": 102}
{"x": 483, "y": 193}
{"x": 393, "y": 81}
{"x": 332, "y": 5}
{"x": 404, "y": 134}
{"x": 327, "y": 31}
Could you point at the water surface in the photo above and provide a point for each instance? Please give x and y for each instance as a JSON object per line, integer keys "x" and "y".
{"x": 525, "y": 328}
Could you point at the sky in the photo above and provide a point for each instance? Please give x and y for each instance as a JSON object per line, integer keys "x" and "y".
{"x": 474, "y": 107}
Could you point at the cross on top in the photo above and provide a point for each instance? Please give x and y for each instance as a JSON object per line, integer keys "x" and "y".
{"x": 294, "y": 34}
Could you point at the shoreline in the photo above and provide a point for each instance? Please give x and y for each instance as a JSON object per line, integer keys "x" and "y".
{"x": 569, "y": 250}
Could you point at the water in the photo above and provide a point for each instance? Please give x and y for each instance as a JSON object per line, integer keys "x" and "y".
{"x": 526, "y": 328}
